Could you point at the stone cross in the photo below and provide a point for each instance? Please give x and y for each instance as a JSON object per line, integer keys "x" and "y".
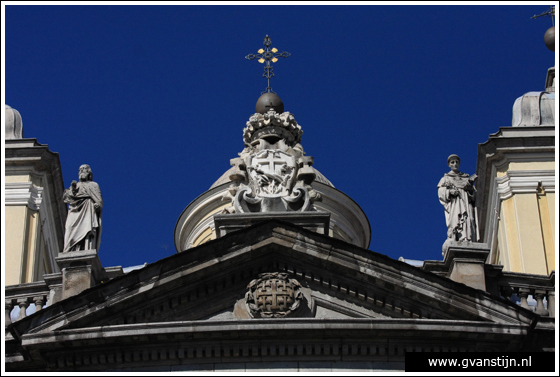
{"x": 275, "y": 295}
{"x": 270, "y": 160}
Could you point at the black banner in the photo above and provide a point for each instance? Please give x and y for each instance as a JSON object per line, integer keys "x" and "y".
{"x": 479, "y": 362}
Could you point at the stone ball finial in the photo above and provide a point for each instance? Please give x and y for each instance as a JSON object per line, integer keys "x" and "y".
{"x": 13, "y": 125}
{"x": 269, "y": 101}
{"x": 549, "y": 38}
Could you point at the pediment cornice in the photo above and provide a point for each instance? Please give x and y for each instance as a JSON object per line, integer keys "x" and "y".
{"x": 210, "y": 278}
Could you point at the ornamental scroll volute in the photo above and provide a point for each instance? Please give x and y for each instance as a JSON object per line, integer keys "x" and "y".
{"x": 273, "y": 295}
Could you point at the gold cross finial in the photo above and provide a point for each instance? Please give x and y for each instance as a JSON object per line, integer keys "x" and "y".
{"x": 268, "y": 55}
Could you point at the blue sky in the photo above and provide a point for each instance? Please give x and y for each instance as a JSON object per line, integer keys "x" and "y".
{"x": 154, "y": 99}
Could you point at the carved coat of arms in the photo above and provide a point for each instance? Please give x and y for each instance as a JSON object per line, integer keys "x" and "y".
{"x": 273, "y": 295}
{"x": 272, "y": 172}
{"x": 272, "y": 176}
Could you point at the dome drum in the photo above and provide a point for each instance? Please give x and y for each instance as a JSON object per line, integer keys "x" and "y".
{"x": 347, "y": 221}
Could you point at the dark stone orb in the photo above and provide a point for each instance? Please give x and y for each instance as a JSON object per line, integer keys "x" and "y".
{"x": 549, "y": 38}
{"x": 269, "y": 101}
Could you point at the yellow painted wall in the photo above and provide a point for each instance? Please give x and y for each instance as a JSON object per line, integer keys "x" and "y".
{"x": 540, "y": 165}
{"x": 501, "y": 258}
{"x": 551, "y": 201}
{"x": 33, "y": 231}
{"x": 510, "y": 242}
{"x": 547, "y": 228}
{"x": 15, "y": 231}
{"x": 526, "y": 226}
{"x": 530, "y": 234}
{"x": 27, "y": 255}
{"x": 16, "y": 178}
{"x": 23, "y": 245}
{"x": 526, "y": 233}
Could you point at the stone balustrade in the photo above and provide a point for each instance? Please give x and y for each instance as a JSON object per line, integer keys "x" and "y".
{"x": 22, "y": 296}
{"x": 533, "y": 292}
{"x": 27, "y": 298}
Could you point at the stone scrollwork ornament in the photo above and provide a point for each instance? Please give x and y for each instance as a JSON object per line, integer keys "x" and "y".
{"x": 273, "y": 295}
{"x": 272, "y": 174}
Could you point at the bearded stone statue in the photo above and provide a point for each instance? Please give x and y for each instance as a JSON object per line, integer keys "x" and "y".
{"x": 85, "y": 204}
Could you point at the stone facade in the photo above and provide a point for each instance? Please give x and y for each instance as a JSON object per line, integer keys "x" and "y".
{"x": 273, "y": 272}
{"x": 361, "y": 310}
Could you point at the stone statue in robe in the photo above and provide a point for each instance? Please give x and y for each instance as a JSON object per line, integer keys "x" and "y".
{"x": 85, "y": 204}
{"x": 456, "y": 193}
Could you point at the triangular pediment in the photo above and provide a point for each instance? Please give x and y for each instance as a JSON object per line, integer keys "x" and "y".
{"x": 209, "y": 283}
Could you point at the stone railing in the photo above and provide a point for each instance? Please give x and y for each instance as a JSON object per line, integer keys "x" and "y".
{"x": 24, "y": 295}
{"x": 27, "y": 298}
{"x": 533, "y": 292}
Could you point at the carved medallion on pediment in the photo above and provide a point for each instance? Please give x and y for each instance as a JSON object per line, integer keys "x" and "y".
{"x": 273, "y": 295}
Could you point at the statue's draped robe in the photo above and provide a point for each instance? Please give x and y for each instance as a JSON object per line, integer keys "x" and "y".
{"x": 459, "y": 211}
{"x": 82, "y": 218}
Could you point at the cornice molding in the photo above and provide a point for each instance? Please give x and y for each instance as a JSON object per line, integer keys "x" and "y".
{"x": 195, "y": 345}
{"x": 525, "y": 181}
{"x": 24, "y": 193}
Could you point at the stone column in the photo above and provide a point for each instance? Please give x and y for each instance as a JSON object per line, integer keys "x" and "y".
{"x": 523, "y": 295}
{"x": 23, "y": 304}
{"x": 39, "y": 302}
{"x": 9, "y": 307}
{"x": 539, "y": 296}
{"x": 551, "y": 302}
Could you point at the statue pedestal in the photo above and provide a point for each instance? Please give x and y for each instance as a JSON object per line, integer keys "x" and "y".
{"x": 464, "y": 263}
{"x": 80, "y": 270}
{"x": 467, "y": 264}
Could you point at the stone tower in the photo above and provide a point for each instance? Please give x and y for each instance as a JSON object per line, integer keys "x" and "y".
{"x": 33, "y": 205}
{"x": 517, "y": 173}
